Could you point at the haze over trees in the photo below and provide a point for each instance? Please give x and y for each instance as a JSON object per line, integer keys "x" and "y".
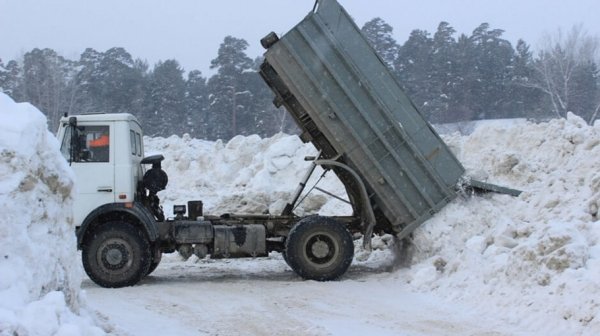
{"x": 449, "y": 77}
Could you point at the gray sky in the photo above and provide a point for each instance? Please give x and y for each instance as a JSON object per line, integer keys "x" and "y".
{"x": 190, "y": 31}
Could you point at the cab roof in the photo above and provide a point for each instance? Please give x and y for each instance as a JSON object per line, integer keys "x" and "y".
{"x": 101, "y": 117}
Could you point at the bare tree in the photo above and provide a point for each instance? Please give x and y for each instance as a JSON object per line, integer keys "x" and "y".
{"x": 563, "y": 63}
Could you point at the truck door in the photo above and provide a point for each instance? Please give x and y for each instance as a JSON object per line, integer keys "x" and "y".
{"x": 93, "y": 163}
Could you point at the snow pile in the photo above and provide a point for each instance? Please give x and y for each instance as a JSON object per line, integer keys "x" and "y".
{"x": 245, "y": 175}
{"x": 535, "y": 256}
{"x": 40, "y": 273}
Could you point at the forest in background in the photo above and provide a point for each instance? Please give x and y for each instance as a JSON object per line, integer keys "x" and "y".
{"x": 450, "y": 78}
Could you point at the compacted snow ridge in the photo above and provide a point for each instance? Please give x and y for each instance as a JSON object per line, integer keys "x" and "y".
{"x": 485, "y": 265}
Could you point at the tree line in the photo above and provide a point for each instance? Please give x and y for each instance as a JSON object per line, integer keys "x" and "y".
{"x": 481, "y": 76}
{"x": 165, "y": 99}
{"x": 450, "y": 78}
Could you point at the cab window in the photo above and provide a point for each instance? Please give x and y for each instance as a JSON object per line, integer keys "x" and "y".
{"x": 65, "y": 146}
{"x": 138, "y": 143}
{"x": 133, "y": 144}
{"x": 92, "y": 144}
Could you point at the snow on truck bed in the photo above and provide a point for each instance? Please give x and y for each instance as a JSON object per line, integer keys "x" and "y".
{"x": 531, "y": 262}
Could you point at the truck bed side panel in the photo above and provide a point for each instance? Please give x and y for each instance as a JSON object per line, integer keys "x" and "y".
{"x": 344, "y": 89}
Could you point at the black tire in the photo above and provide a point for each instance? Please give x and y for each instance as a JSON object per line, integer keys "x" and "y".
{"x": 116, "y": 254}
{"x": 285, "y": 258}
{"x": 156, "y": 257}
{"x": 319, "y": 248}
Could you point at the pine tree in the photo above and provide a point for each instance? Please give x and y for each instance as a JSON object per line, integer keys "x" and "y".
{"x": 141, "y": 88}
{"x": 166, "y": 113}
{"x": 263, "y": 118}
{"x": 443, "y": 72}
{"x": 584, "y": 89}
{"x": 380, "y": 35}
{"x": 119, "y": 80}
{"x": 491, "y": 58}
{"x": 525, "y": 98}
{"x": 110, "y": 82}
{"x": 196, "y": 104}
{"x": 87, "y": 81}
{"x": 228, "y": 98}
{"x": 413, "y": 69}
{"x": 11, "y": 80}
{"x": 460, "y": 96}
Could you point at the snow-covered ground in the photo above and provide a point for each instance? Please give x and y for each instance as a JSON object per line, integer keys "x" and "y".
{"x": 264, "y": 297}
{"x": 485, "y": 265}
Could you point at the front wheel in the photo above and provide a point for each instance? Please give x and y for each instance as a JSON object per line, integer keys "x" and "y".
{"x": 319, "y": 248}
{"x": 116, "y": 254}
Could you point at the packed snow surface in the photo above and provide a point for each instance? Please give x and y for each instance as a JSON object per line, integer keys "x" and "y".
{"x": 39, "y": 276}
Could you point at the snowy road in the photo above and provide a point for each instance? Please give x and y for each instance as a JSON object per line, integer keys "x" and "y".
{"x": 264, "y": 297}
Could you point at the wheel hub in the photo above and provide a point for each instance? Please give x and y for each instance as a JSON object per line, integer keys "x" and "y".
{"x": 320, "y": 249}
{"x": 114, "y": 255}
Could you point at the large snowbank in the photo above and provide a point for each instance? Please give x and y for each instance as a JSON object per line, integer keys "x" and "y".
{"x": 39, "y": 272}
{"x": 532, "y": 256}
{"x": 533, "y": 259}
{"x": 245, "y": 175}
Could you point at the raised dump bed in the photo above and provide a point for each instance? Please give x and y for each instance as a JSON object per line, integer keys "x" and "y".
{"x": 351, "y": 107}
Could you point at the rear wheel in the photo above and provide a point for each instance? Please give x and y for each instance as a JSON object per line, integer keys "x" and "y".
{"x": 116, "y": 254}
{"x": 319, "y": 248}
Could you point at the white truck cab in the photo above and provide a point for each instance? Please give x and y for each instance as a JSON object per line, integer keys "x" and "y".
{"x": 116, "y": 210}
{"x": 106, "y": 172}
{"x": 122, "y": 231}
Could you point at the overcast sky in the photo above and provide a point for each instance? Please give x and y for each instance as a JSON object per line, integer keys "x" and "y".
{"x": 190, "y": 31}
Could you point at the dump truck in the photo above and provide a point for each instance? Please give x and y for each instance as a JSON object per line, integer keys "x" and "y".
{"x": 396, "y": 170}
